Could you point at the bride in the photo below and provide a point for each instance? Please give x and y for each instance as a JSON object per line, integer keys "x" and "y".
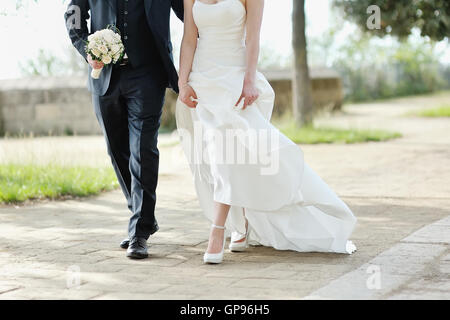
{"x": 250, "y": 179}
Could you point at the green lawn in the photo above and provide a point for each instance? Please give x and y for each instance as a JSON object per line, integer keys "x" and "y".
{"x": 19, "y": 183}
{"x": 443, "y": 111}
{"x": 313, "y": 135}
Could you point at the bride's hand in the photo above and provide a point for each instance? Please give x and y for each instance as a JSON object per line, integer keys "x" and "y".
{"x": 187, "y": 94}
{"x": 249, "y": 94}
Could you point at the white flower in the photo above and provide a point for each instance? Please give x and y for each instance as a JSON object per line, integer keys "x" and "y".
{"x": 103, "y": 49}
{"x": 96, "y": 35}
{"x": 107, "y": 59}
{"x": 115, "y": 48}
{"x": 96, "y": 52}
{"x": 109, "y": 37}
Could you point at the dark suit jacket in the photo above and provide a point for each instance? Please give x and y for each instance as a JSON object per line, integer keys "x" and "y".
{"x": 103, "y": 13}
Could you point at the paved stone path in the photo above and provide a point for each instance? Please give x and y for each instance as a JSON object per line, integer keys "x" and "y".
{"x": 418, "y": 267}
{"x": 399, "y": 191}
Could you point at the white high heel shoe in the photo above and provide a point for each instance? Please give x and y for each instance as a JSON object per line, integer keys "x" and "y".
{"x": 242, "y": 245}
{"x": 215, "y": 257}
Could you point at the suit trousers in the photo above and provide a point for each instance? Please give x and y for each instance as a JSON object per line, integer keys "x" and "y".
{"x": 130, "y": 116}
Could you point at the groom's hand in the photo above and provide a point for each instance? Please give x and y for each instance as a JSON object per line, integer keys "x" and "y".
{"x": 94, "y": 63}
{"x": 187, "y": 94}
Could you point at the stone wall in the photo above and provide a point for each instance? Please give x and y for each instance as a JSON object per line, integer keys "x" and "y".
{"x": 63, "y": 105}
{"x": 326, "y": 84}
{"x": 47, "y": 106}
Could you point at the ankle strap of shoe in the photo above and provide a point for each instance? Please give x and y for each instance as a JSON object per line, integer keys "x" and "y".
{"x": 218, "y": 227}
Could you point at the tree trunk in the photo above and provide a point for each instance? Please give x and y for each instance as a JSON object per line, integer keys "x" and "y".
{"x": 301, "y": 86}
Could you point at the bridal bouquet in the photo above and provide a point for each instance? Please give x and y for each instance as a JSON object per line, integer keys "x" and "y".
{"x": 105, "y": 46}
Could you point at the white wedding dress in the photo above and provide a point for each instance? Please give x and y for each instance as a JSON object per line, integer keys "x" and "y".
{"x": 288, "y": 206}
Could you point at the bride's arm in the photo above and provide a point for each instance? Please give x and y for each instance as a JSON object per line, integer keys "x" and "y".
{"x": 188, "y": 47}
{"x": 255, "y": 10}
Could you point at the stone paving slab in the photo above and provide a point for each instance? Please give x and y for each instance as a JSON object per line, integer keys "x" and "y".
{"x": 438, "y": 232}
{"x": 408, "y": 270}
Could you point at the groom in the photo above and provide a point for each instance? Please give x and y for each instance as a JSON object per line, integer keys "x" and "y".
{"x": 128, "y": 97}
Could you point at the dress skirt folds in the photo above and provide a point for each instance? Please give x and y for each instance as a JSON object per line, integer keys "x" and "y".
{"x": 239, "y": 158}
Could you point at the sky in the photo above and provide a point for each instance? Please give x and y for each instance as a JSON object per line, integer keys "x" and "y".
{"x": 41, "y": 26}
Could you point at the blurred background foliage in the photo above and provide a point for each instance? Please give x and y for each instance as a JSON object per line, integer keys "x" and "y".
{"x": 399, "y": 59}
{"x": 407, "y": 62}
{"x": 372, "y": 69}
{"x": 400, "y": 17}
{"x": 48, "y": 64}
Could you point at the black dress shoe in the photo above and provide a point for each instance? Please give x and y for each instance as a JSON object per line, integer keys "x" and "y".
{"x": 125, "y": 243}
{"x": 137, "y": 248}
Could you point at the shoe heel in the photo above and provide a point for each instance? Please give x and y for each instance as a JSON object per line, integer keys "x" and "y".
{"x": 215, "y": 258}
{"x": 240, "y": 246}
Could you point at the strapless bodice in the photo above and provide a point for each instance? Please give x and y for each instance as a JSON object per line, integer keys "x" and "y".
{"x": 221, "y": 24}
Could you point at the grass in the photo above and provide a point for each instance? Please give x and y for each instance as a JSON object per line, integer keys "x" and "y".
{"x": 313, "y": 135}
{"x": 443, "y": 111}
{"x": 19, "y": 183}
